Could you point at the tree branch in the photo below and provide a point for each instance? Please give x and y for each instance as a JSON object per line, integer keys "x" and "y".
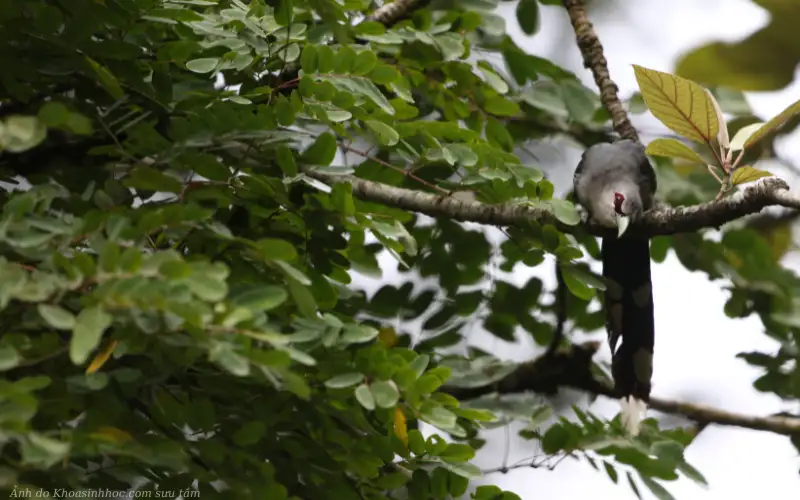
{"x": 593, "y": 58}
{"x": 391, "y": 13}
{"x": 658, "y": 221}
{"x": 571, "y": 367}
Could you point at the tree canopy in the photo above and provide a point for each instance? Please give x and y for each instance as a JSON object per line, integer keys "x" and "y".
{"x": 191, "y": 189}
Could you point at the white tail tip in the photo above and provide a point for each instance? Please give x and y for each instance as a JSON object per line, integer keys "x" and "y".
{"x": 632, "y": 412}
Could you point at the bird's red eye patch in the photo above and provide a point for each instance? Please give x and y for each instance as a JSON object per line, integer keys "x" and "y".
{"x": 618, "y": 199}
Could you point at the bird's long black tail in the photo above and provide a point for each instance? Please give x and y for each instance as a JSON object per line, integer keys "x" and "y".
{"x": 629, "y": 318}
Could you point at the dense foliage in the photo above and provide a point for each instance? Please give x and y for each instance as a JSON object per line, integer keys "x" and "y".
{"x": 175, "y": 293}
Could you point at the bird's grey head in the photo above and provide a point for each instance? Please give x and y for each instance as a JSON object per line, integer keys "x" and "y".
{"x": 610, "y": 181}
{"x": 627, "y": 206}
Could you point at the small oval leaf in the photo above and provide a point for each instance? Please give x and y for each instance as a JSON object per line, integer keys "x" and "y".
{"x": 747, "y": 174}
{"x": 344, "y": 380}
{"x": 672, "y": 148}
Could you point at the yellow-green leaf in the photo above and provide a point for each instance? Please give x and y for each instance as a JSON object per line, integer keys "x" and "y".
{"x": 106, "y": 78}
{"x": 774, "y": 124}
{"x": 680, "y": 104}
{"x": 672, "y": 148}
{"x": 747, "y": 174}
{"x": 743, "y": 134}
{"x": 101, "y": 357}
{"x": 400, "y": 427}
{"x": 111, "y": 435}
{"x": 722, "y": 134}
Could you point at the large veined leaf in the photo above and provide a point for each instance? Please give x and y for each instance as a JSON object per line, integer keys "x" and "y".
{"x": 680, "y": 104}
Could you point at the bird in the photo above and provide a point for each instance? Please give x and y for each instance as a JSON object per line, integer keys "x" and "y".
{"x": 616, "y": 184}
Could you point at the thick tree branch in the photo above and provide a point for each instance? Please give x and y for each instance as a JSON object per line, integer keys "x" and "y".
{"x": 659, "y": 221}
{"x": 593, "y": 58}
{"x": 571, "y": 367}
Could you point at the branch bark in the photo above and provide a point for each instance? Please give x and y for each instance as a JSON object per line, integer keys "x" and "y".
{"x": 571, "y": 367}
{"x": 391, "y": 13}
{"x": 659, "y": 221}
{"x": 593, "y": 58}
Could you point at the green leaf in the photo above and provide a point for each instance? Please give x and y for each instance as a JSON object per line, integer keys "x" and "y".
{"x": 747, "y": 173}
{"x": 497, "y": 134}
{"x": 293, "y": 273}
{"x": 54, "y": 114}
{"x": 672, "y": 148}
{"x": 682, "y": 105}
{"x": 416, "y": 443}
{"x": 364, "y": 62}
{"x": 87, "y": 332}
{"x": 540, "y": 415}
{"x": 365, "y": 397}
{"x": 42, "y": 451}
{"x": 183, "y": 15}
{"x": 576, "y": 284}
{"x": 344, "y": 380}
{"x": 202, "y": 65}
{"x": 284, "y": 12}
{"x": 659, "y": 491}
{"x": 500, "y": 106}
{"x": 322, "y": 151}
{"x": 463, "y": 469}
{"x": 106, "y": 79}
{"x": 21, "y": 133}
{"x": 275, "y": 249}
{"x": 555, "y": 439}
{"x": 691, "y": 473}
{"x": 150, "y": 179}
{"x": 528, "y": 16}
{"x": 302, "y": 297}
{"x": 261, "y": 298}
{"x": 308, "y": 59}
{"x": 565, "y": 212}
{"x": 286, "y": 162}
{"x": 250, "y": 433}
{"x": 362, "y": 87}
{"x": 494, "y": 80}
{"x": 383, "y": 74}
{"x": 9, "y": 358}
{"x": 342, "y": 198}
{"x": 225, "y": 356}
{"x": 419, "y": 364}
{"x": 611, "y": 471}
{"x": 439, "y": 417}
{"x": 633, "y": 486}
{"x": 354, "y": 334}
{"x": 386, "y": 135}
{"x": 207, "y": 287}
{"x": 457, "y": 452}
{"x": 56, "y": 316}
{"x": 385, "y": 393}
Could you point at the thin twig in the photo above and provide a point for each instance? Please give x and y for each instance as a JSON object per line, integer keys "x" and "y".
{"x": 403, "y": 171}
{"x": 562, "y": 295}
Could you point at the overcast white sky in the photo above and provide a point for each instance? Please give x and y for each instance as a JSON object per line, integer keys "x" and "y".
{"x": 737, "y": 463}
